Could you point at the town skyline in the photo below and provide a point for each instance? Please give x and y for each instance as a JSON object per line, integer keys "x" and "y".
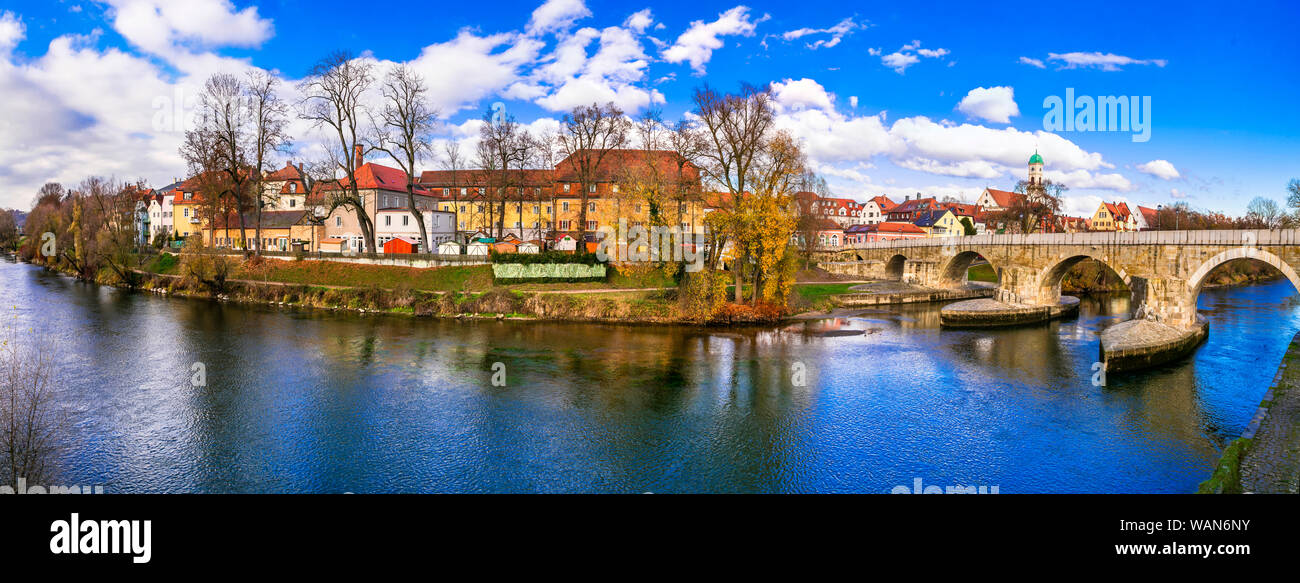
{"x": 886, "y": 102}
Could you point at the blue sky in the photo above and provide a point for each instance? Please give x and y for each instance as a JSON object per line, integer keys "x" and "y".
{"x": 892, "y": 98}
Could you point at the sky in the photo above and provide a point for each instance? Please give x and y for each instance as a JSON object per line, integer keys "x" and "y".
{"x": 898, "y": 98}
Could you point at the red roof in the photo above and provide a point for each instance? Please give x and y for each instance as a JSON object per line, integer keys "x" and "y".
{"x": 896, "y": 228}
{"x": 1148, "y": 215}
{"x": 371, "y": 176}
{"x": 962, "y": 209}
{"x": 1003, "y": 198}
{"x": 289, "y": 172}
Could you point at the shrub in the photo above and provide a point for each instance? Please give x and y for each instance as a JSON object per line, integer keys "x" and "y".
{"x": 702, "y": 294}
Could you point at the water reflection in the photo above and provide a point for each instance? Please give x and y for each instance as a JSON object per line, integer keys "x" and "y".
{"x": 309, "y": 401}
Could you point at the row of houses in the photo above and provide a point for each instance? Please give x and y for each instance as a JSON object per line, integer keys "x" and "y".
{"x": 523, "y": 209}
{"x": 474, "y": 211}
{"x": 843, "y": 222}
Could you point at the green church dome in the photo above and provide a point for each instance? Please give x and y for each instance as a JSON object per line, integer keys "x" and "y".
{"x": 1035, "y": 159}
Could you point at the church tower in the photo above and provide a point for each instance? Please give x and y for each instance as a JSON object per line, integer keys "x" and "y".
{"x": 1035, "y": 169}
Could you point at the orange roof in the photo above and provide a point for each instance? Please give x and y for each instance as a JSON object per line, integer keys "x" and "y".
{"x": 883, "y": 202}
{"x": 1003, "y": 198}
{"x": 1118, "y": 210}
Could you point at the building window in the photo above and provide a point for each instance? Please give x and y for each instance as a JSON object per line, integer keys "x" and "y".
{"x": 406, "y": 220}
{"x": 564, "y": 206}
{"x": 566, "y": 188}
{"x": 591, "y": 207}
{"x": 338, "y": 221}
{"x": 591, "y": 188}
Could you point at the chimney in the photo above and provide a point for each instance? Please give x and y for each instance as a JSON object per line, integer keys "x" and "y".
{"x": 359, "y": 155}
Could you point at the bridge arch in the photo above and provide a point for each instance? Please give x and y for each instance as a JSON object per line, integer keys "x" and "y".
{"x": 894, "y": 267}
{"x": 956, "y": 269}
{"x": 1197, "y": 278}
{"x": 1049, "y": 283}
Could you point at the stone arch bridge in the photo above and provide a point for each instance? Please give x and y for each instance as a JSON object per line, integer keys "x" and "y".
{"x": 1163, "y": 269}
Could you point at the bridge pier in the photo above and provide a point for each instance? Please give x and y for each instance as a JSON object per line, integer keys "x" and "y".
{"x": 1164, "y": 326}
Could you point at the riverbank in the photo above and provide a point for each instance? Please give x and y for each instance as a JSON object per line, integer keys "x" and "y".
{"x": 1266, "y": 458}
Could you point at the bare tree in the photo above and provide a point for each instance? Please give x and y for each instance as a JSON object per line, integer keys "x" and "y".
{"x": 1033, "y": 204}
{"x": 269, "y": 117}
{"x": 404, "y": 130}
{"x": 587, "y": 135}
{"x": 1266, "y": 213}
{"x": 50, "y": 193}
{"x": 333, "y": 93}
{"x": 504, "y": 148}
{"x": 30, "y": 420}
{"x": 454, "y": 162}
{"x": 222, "y": 103}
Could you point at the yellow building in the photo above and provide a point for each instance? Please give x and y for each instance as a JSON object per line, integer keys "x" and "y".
{"x": 185, "y": 212}
{"x": 1113, "y": 216}
{"x": 941, "y": 223}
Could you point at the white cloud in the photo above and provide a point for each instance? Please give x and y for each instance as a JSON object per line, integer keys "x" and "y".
{"x": 1032, "y": 62}
{"x": 833, "y": 139}
{"x": 163, "y": 28}
{"x": 995, "y": 104}
{"x": 836, "y": 32}
{"x": 907, "y": 55}
{"x": 557, "y": 15}
{"x": 640, "y": 21}
{"x": 853, "y": 101}
{"x": 899, "y": 61}
{"x": 1160, "y": 169}
{"x": 12, "y": 32}
{"x": 790, "y": 95}
{"x": 469, "y": 67}
{"x": 1103, "y": 61}
{"x": 1176, "y": 194}
{"x": 697, "y": 44}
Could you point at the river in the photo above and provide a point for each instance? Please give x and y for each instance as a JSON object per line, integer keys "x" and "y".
{"x": 312, "y": 401}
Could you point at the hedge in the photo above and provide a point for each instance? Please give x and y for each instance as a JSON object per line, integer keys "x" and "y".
{"x": 546, "y": 257}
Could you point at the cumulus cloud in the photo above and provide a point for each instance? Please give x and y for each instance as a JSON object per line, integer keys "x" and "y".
{"x": 1160, "y": 169}
{"x": 833, "y": 140}
{"x": 696, "y": 45}
{"x": 1096, "y": 60}
{"x": 162, "y": 28}
{"x": 12, "y": 32}
{"x": 555, "y": 15}
{"x": 801, "y": 94}
{"x": 995, "y": 104}
{"x": 836, "y": 34}
{"x": 640, "y": 21}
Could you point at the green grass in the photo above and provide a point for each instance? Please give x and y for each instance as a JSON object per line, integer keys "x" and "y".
{"x": 815, "y": 292}
{"x": 1227, "y": 475}
{"x": 982, "y": 272}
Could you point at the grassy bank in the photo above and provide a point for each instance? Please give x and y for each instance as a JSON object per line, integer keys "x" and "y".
{"x": 1226, "y": 478}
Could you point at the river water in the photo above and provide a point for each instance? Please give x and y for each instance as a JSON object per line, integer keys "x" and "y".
{"x": 312, "y": 401}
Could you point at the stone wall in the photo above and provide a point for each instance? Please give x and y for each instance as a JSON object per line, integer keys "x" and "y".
{"x": 1163, "y": 269}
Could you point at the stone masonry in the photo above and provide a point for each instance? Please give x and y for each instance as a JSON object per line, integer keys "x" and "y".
{"x": 1163, "y": 269}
